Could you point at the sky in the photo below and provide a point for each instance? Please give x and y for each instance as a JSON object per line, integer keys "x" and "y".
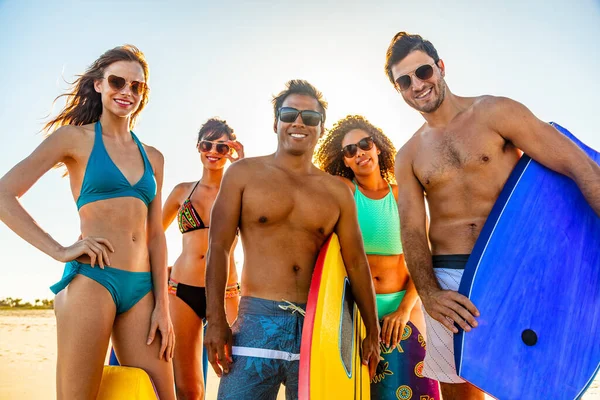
{"x": 228, "y": 58}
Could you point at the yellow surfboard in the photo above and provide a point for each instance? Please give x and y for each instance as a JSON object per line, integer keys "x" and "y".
{"x": 125, "y": 383}
{"x": 330, "y": 354}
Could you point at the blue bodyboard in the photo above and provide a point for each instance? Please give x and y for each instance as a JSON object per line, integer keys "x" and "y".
{"x": 534, "y": 275}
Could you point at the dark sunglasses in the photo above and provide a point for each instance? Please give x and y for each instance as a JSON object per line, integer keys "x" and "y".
{"x": 424, "y": 72}
{"x": 365, "y": 144}
{"x": 118, "y": 83}
{"x": 205, "y": 146}
{"x": 309, "y": 117}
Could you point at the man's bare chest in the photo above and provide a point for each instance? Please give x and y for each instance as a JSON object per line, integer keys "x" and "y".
{"x": 304, "y": 204}
{"x": 449, "y": 154}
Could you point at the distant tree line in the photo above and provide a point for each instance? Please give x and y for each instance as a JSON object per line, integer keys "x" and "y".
{"x": 39, "y": 304}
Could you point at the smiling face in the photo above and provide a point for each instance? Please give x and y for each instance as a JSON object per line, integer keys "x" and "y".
{"x": 212, "y": 159}
{"x": 426, "y": 95}
{"x": 364, "y": 162}
{"x": 120, "y": 102}
{"x": 296, "y": 137}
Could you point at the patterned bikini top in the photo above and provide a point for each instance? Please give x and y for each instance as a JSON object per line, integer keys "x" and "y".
{"x": 188, "y": 217}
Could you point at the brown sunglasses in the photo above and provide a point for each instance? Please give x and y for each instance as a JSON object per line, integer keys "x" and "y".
{"x": 206, "y": 145}
{"x": 423, "y": 73}
{"x": 118, "y": 83}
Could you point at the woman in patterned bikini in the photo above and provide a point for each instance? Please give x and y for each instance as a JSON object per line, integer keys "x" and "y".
{"x": 191, "y": 203}
{"x": 363, "y": 157}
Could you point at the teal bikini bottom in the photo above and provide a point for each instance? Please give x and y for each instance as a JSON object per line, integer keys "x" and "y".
{"x": 388, "y": 303}
{"x": 125, "y": 287}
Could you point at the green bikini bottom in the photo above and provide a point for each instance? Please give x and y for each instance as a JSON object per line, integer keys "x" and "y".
{"x": 388, "y": 303}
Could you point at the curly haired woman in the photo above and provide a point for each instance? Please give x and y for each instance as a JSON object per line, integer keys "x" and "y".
{"x": 363, "y": 157}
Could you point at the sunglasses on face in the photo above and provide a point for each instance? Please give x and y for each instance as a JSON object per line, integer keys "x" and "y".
{"x": 118, "y": 83}
{"x": 206, "y": 146}
{"x": 424, "y": 72}
{"x": 365, "y": 144}
{"x": 309, "y": 117}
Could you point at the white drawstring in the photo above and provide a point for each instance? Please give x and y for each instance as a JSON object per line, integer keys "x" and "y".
{"x": 293, "y": 307}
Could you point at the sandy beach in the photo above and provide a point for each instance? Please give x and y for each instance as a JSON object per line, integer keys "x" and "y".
{"x": 28, "y": 357}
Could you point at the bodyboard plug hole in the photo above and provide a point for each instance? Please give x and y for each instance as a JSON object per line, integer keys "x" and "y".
{"x": 529, "y": 337}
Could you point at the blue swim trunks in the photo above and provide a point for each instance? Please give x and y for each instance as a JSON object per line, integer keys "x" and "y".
{"x": 266, "y": 350}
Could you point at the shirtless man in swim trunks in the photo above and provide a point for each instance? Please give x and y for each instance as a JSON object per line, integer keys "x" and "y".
{"x": 461, "y": 158}
{"x": 285, "y": 208}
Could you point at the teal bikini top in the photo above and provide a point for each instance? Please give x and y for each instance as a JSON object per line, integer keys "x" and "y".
{"x": 103, "y": 180}
{"x": 379, "y": 223}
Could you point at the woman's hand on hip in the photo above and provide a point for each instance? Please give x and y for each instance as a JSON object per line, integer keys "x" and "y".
{"x": 96, "y": 248}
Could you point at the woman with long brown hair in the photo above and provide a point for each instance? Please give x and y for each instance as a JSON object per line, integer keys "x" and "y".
{"x": 115, "y": 280}
{"x": 191, "y": 203}
{"x": 363, "y": 157}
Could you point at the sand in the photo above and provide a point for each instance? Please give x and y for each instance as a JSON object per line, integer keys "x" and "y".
{"x": 28, "y": 358}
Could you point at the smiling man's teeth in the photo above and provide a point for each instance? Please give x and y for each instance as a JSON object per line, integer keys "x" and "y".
{"x": 298, "y": 135}
{"x": 424, "y": 94}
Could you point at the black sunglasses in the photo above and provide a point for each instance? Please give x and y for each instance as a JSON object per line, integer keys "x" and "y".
{"x": 365, "y": 144}
{"x": 118, "y": 83}
{"x": 206, "y": 145}
{"x": 424, "y": 72}
{"x": 309, "y": 117}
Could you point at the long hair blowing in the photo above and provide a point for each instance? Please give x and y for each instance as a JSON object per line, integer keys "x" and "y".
{"x": 330, "y": 159}
{"x": 84, "y": 104}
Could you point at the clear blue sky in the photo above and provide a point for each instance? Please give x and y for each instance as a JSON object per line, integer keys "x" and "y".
{"x": 227, "y": 59}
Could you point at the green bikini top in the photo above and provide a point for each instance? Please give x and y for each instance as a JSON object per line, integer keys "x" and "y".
{"x": 379, "y": 223}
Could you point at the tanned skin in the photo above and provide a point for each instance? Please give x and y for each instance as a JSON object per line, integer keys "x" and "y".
{"x": 189, "y": 268}
{"x": 389, "y": 272}
{"x": 121, "y": 232}
{"x": 285, "y": 208}
{"x": 460, "y": 160}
